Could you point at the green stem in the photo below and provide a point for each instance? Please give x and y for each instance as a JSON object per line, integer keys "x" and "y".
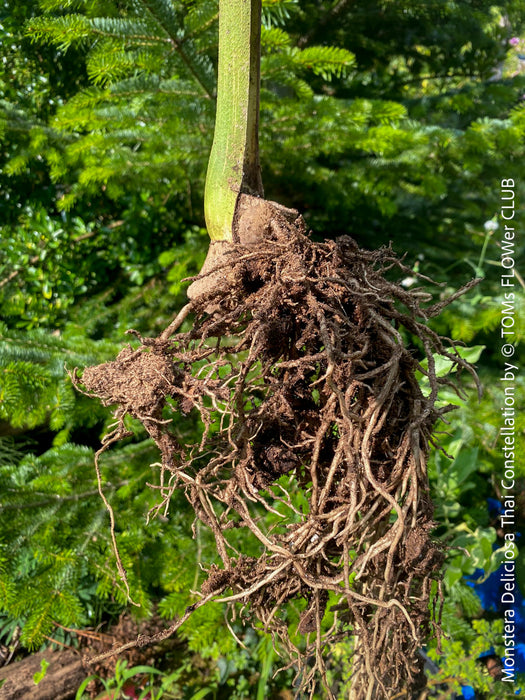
{"x": 234, "y": 167}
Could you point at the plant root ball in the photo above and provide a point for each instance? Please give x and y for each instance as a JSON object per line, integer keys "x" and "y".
{"x": 304, "y": 364}
{"x": 137, "y": 381}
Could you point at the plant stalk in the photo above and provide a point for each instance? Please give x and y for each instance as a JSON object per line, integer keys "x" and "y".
{"x": 234, "y": 168}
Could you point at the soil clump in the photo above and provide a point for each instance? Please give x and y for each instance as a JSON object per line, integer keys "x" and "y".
{"x": 304, "y": 366}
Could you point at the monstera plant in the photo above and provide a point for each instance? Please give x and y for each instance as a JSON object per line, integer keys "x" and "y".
{"x": 303, "y": 363}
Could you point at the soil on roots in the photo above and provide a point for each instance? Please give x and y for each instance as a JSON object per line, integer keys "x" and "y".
{"x": 303, "y": 366}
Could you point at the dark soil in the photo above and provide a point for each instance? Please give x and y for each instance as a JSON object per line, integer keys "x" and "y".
{"x": 302, "y": 364}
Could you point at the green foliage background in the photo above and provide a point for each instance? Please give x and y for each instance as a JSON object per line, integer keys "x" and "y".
{"x": 390, "y": 121}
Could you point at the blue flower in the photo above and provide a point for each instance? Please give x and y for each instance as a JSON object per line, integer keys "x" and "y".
{"x": 495, "y": 507}
{"x": 489, "y": 592}
{"x": 520, "y": 652}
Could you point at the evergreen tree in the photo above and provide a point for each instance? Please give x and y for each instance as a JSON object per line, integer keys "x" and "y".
{"x": 389, "y": 121}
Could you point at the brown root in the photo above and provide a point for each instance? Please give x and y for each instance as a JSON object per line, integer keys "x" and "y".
{"x": 303, "y": 366}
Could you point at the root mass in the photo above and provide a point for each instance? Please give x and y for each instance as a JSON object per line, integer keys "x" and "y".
{"x": 303, "y": 367}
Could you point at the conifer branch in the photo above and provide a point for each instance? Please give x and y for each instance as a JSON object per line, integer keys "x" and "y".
{"x": 58, "y": 499}
{"x": 144, "y": 640}
{"x": 177, "y": 43}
